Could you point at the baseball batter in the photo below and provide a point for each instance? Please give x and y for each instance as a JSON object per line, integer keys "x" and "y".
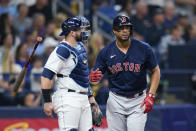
{"x": 69, "y": 63}
{"x": 126, "y": 61}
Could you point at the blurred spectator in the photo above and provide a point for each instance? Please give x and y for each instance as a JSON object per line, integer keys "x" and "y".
{"x": 50, "y": 29}
{"x": 103, "y": 93}
{"x": 173, "y": 39}
{"x": 22, "y": 55}
{"x": 157, "y": 3}
{"x": 58, "y": 20}
{"x": 92, "y": 6}
{"x": 186, "y": 34}
{"x": 32, "y": 100}
{"x": 6, "y": 8}
{"x": 122, "y": 3}
{"x": 74, "y": 6}
{"x": 30, "y": 38}
{"x": 153, "y": 5}
{"x": 170, "y": 15}
{"x": 126, "y": 9}
{"x": 22, "y": 22}
{"x": 192, "y": 36}
{"x": 182, "y": 20}
{"x": 38, "y": 26}
{"x": 43, "y": 7}
{"x": 95, "y": 45}
{"x": 37, "y": 68}
{"x": 6, "y": 26}
{"x": 157, "y": 30}
{"x": 185, "y": 7}
{"x": 137, "y": 36}
{"x": 7, "y": 42}
{"x": 96, "y": 4}
{"x": 26, "y": 2}
{"x": 8, "y": 74}
{"x": 140, "y": 20}
{"x": 49, "y": 45}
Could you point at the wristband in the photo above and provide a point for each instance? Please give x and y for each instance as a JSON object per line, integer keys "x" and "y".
{"x": 89, "y": 96}
{"x": 93, "y": 104}
{"x": 46, "y": 95}
{"x": 151, "y": 95}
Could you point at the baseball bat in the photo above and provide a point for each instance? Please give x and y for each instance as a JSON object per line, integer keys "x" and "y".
{"x": 24, "y": 70}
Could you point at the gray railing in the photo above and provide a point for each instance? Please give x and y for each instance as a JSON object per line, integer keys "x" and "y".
{"x": 96, "y": 25}
{"x": 65, "y": 7}
{"x": 97, "y": 15}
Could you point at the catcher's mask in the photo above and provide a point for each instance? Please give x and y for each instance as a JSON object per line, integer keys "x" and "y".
{"x": 85, "y": 28}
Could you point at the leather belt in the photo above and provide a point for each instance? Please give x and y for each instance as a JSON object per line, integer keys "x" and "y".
{"x": 131, "y": 96}
{"x": 61, "y": 75}
{"x": 84, "y": 93}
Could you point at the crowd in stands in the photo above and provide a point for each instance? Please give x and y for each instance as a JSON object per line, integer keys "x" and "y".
{"x": 160, "y": 23}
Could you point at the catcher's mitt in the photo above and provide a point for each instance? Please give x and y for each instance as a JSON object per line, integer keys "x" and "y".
{"x": 96, "y": 115}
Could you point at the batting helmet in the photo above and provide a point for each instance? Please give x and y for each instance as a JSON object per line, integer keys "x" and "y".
{"x": 71, "y": 24}
{"x": 121, "y": 20}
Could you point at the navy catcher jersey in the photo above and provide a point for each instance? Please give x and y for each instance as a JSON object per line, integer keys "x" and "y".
{"x": 126, "y": 72}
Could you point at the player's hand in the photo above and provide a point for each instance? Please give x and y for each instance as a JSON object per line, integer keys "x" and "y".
{"x": 48, "y": 108}
{"x": 148, "y": 102}
{"x": 95, "y": 76}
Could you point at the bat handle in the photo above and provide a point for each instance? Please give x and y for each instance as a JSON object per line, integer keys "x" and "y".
{"x": 39, "y": 39}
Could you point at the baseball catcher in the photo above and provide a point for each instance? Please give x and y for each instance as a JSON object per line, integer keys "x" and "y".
{"x": 68, "y": 63}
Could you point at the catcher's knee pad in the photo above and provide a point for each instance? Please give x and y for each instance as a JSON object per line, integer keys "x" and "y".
{"x": 92, "y": 129}
{"x": 73, "y": 129}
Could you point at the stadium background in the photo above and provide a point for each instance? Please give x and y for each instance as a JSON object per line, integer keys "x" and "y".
{"x": 168, "y": 25}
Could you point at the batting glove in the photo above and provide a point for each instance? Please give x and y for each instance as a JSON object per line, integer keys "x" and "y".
{"x": 95, "y": 76}
{"x": 148, "y": 102}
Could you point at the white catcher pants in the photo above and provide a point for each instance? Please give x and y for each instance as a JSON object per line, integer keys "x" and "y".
{"x": 73, "y": 110}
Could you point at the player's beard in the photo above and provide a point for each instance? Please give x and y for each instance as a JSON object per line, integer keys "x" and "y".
{"x": 122, "y": 40}
{"x": 78, "y": 38}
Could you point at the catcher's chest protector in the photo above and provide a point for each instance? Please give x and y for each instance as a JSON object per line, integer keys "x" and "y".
{"x": 80, "y": 73}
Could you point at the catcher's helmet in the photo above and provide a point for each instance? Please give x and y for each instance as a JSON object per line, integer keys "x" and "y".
{"x": 121, "y": 20}
{"x": 69, "y": 25}
{"x": 77, "y": 23}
